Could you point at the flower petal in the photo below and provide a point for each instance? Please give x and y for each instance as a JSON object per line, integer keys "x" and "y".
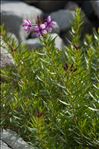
{"x": 44, "y": 31}
{"x": 29, "y": 22}
{"x": 42, "y": 26}
{"x": 53, "y": 23}
{"x": 36, "y": 29}
{"x": 50, "y": 29}
{"x": 49, "y": 19}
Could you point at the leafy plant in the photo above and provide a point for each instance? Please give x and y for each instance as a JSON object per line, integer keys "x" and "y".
{"x": 51, "y": 97}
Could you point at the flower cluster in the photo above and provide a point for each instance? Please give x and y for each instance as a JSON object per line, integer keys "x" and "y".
{"x": 39, "y": 29}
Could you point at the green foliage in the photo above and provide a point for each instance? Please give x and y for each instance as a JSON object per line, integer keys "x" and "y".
{"x": 51, "y": 97}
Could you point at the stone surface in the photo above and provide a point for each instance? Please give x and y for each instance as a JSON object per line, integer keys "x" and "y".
{"x": 13, "y": 14}
{"x": 64, "y": 18}
{"x": 5, "y": 57}
{"x": 13, "y": 140}
{"x": 95, "y": 5}
{"x": 58, "y": 41}
{"x": 56, "y": 29}
{"x": 71, "y": 5}
{"x": 87, "y": 8}
{"x": 3, "y": 145}
{"x": 49, "y": 5}
{"x": 33, "y": 44}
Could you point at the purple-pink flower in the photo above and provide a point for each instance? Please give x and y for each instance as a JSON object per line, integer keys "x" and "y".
{"x": 40, "y": 30}
{"x": 50, "y": 24}
{"x": 27, "y": 24}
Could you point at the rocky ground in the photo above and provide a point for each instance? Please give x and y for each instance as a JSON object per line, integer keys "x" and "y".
{"x": 63, "y": 12}
{"x": 10, "y": 140}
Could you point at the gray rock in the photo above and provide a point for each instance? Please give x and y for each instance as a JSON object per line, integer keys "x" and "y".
{"x": 33, "y": 44}
{"x": 95, "y": 5}
{"x": 87, "y": 8}
{"x": 13, "y": 14}
{"x": 13, "y": 140}
{"x": 3, "y": 145}
{"x": 64, "y": 18}
{"x": 56, "y": 29}
{"x": 71, "y": 6}
{"x": 49, "y": 5}
{"x": 59, "y": 44}
{"x": 5, "y": 57}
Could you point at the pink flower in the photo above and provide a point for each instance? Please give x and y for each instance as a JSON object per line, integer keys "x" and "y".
{"x": 27, "y": 24}
{"x": 40, "y": 30}
{"x": 50, "y": 24}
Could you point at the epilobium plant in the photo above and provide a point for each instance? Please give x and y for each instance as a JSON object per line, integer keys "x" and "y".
{"x": 51, "y": 97}
{"x": 39, "y": 29}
